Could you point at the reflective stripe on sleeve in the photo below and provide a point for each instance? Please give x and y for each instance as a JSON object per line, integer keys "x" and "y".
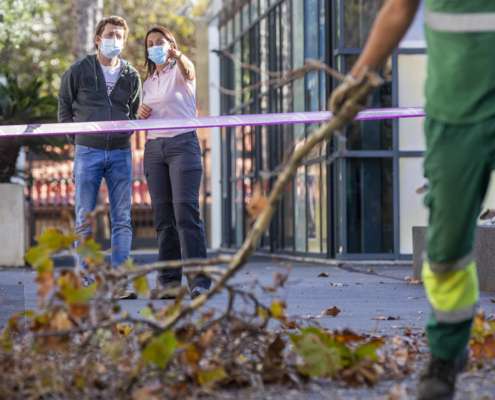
{"x": 452, "y": 295}
{"x": 467, "y": 22}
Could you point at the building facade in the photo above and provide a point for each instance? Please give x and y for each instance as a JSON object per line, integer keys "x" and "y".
{"x": 354, "y": 197}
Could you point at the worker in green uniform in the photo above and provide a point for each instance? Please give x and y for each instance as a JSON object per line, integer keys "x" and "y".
{"x": 460, "y": 155}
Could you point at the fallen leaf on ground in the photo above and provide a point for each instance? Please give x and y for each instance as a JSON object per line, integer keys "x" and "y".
{"x": 407, "y": 278}
{"x": 292, "y": 325}
{"x": 492, "y": 300}
{"x": 334, "y": 311}
{"x": 383, "y": 318}
{"x": 336, "y": 284}
{"x": 397, "y": 393}
{"x": 323, "y": 275}
{"x": 413, "y": 298}
{"x": 415, "y": 282}
{"x": 369, "y": 271}
{"x": 348, "y": 336}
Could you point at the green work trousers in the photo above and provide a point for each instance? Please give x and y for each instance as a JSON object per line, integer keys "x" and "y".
{"x": 458, "y": 163}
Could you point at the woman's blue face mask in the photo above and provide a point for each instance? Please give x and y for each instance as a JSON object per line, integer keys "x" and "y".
{"x": 158, "y": 54}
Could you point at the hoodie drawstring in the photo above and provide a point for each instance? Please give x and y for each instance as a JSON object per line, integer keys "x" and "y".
{"x": 94, "y": 71}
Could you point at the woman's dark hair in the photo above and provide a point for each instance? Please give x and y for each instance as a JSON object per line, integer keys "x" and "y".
{"x": 149, "y": 65}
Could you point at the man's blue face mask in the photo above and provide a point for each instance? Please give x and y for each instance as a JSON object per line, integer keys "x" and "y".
{"x": 158, "y": 54}
{"x": 111, "y": 48}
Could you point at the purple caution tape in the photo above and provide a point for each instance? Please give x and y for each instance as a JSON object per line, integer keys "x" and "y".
{"x": 200, "y": 122}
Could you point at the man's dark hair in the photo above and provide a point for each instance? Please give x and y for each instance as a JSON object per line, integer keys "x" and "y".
{"x": 113, "y": 20}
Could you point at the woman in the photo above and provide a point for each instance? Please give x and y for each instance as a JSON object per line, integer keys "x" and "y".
{"x": 172, "y": 161}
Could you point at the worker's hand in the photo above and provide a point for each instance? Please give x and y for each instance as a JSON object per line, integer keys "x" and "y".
{"x": 347, "y": 89}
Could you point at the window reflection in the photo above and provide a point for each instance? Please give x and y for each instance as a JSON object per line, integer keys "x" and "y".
{"x": 324, "y": 216}
{"x": 369, "y": 200}
{"x": 300, "y": 209}
{"x": 373, "y": 134}
{"x": 359, "y": 16}
{"x": 237, "y": 74}
{"x": 314, "y": 206}
{"x": 254, "y": 9}
{"x": 245, "y": 17}
{"x": 246, "y": 74}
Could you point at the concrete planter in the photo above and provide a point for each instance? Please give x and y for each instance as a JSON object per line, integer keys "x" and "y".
{"x": 12, "y": 225}
{"x": 484, "y": 252}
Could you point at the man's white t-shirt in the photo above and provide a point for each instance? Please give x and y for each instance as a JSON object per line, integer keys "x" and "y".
{"x": 111, "y": 75}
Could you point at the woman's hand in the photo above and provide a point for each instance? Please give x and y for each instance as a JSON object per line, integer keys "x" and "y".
{"x": 174, "y": 53}
{"x": 144, "y": 111}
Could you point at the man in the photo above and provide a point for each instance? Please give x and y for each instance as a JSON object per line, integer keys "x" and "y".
{"x": 460, "y": 154}
{"x": 103, "y": 87}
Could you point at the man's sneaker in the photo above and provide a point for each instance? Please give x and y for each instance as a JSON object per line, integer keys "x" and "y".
{"x": 198, "y": 291}
{"x": 86, "y": 281}
{"x": 164, "y": 291}
{"x": 438, "y": 382}
{"x": 126, "y": 293}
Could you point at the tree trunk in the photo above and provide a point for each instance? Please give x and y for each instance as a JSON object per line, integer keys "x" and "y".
{"x": 9, "y": 151}
{"x": 85, "y": 16}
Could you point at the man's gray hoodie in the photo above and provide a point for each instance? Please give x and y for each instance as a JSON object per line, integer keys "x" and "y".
{"x": 83, "y": 98}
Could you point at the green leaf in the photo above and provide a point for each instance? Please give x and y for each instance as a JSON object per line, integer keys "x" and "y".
{"x": 366, "y": 350}
{"x": 277, "y": 310}
{"x": 80, "y": 295}
{"x": 326, "y": 339}
{"x": 207, "y": 378}
{"x": 80, "y": 382}
{"x": 319, "y": 360}
{"x": 39, "y": 258}
{"x": 114, "y": 349}
{"x": 146, "y": 312}
{"x": 90, "y": 250}
{"x": 129, "y": 264}
{"x": 160, "y": 349}
{"x": 141, "y": 286}
{"x": 54, "y": 240}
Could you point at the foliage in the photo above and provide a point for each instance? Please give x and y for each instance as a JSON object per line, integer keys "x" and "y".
{"x": 35, "y": 40}
{"x": 36, "y": 36}
{"x": 81, "y": 342}
{"x": 25, "y": 105}
{"x": 483, "y": 337}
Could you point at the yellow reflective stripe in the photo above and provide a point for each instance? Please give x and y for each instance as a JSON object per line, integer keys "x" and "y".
{"x": 451, "y": 291}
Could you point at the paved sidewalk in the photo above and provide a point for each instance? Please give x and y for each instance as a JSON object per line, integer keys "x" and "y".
{"x": 363, "y": 296}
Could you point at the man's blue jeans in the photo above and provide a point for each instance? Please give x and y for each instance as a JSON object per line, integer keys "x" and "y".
{"x": 90, "y": 167}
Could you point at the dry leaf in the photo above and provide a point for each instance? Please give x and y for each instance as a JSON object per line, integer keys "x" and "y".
{"x": 323, "y": 275}
{"x": 413, "y": 298}
{"x": 369, "y": 271}
{"x": 492, "y": 300}
{"x": 206, "y": 338}
{"x": 79, "y": 310}
{"x": 348, "y": 336}
{"x": 257, "y": 203}
{"x": 292, "y": 325}
{"x": 46, "y": 282}
{"x": 397, "y": 393}
{"x": 408, "y": 278}
{"x": 337, "y": 284}
{"x": 416, "y": 282}
{"x": 334, "y": 311}
{"x": 383, "y": 318}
